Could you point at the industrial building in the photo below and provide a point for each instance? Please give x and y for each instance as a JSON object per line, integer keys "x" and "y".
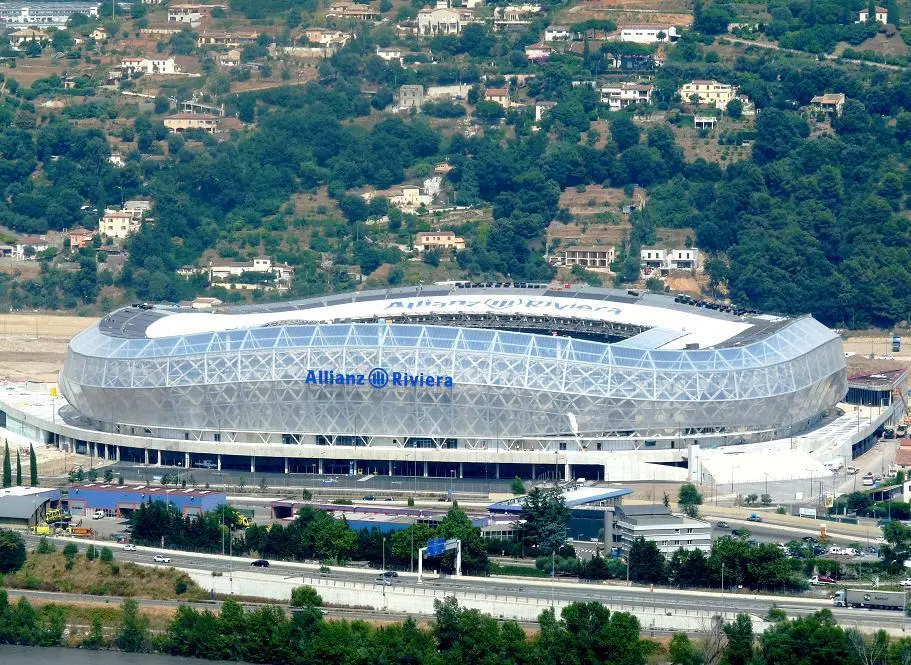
{"x": 44, "y": 14}
{"x": 122, "y": 500}
{"x": 23, "y": 507}
{"x": 657, "y": 524}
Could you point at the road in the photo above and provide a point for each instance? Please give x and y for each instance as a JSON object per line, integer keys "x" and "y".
{"x": 615, "y": 593}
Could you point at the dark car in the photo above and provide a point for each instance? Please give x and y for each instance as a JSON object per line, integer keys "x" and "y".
{"x": 260, "y": 563}
{"x": 369, "y": 497}
{"x": 390, "y": 573}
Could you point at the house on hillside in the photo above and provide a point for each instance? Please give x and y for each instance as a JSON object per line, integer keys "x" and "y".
{"x": 880, "y": 15}
{"x": 22, "y": 37}
{"x": 118, "y": 224}
{"x": 498, "y": 95}
{"x": 558, "y": 33}
{"x": 443, "y": 20}
{"x": 184, "y": 122}
{"x": 260, "y": 273}
{"x": 589, "y": 257}
{"x": 620, "y": 95}
{"x": 150, "y": 66}
{"x": 352, "y": 10}
{"x": 191, "y": 14}
{"x": 538, "y": 52}
{"x": 830, "y": 103}
{"x": 27, "y": 247}
{"x": 438, "y": 240}
{"x": 708, "y": 93}
{"x": 80, "y": 237}
{"x": 650, "y": 33}
{"x": 411, "y": 97}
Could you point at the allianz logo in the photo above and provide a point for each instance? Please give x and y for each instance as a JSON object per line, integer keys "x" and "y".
{"x": 377, "y": 378}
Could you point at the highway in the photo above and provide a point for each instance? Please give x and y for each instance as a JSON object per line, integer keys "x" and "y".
{"x": 613, "y": 593}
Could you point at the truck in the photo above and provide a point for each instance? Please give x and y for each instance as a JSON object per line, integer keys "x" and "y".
{"x": 80, "y": 531}
{"x": 42, "y": 530}
{"x": 870, "y": 598}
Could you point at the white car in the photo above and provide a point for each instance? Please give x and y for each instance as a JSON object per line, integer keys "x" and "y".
{"x": 129, "y": 548}
{"x": 906, "y": 582}
{"x": 161, "y": 559}
{"x": 835, "y": 551}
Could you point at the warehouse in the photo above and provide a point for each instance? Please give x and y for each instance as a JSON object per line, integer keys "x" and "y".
{"x": 23, "y": 507}
{"x": 122, "y": 500}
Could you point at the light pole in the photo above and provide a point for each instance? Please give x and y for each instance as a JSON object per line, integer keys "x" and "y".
{"x": 384, "y": 566}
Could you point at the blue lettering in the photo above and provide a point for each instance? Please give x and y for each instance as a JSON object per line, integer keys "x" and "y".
{"x": 430, "y": 382}
{"x": 360, "y": 379}
{"x": 397, "y": 378}
{"x": 350, "y": 380}
{"x": 311, "y": 376}
{"x": 448, "y": 382}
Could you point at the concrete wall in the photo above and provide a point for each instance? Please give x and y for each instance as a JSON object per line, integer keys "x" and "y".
{"x": 419, "y": 600}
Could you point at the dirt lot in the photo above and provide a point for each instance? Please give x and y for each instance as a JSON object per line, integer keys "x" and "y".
{"x": 675, "y": 12}
{"x": 30, "y": 70}
{"x": 880, "y": 44}
{"x": 596, "y": 199}
{"x": 32, "y": 346}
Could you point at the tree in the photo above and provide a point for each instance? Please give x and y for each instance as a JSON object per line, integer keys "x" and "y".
{"x": 735, "y": 108}
{"x": 894, "y": 17}
{"x": 739, "y": 632}
{"x": 624, "y": 132}
{"x": 690, "y": 498}
{"x": 681, "y": 651}
{"x": 518, "y": 487}
{"x": 32, "y": 466}
{"x": 12, "y": 551}
{"x": 646, "y": 563}
{"x": 18, "y": 470}
{"x": 134, "y": 628}
{"x": 898, "y": 545}
{"x": 107, "y": 556}
{"x": 542, "y": 524}
{"x": 7, "y": 467}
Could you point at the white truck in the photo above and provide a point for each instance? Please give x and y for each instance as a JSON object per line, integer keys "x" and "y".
{"x": 871, "y": 598}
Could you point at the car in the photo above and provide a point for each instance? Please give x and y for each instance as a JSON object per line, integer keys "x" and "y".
{"x": 820, "y": 580}
{"x": 809, "y": 539}
{"x": 260, "y": 563}
{"x": 158, "y": 558}
{"x": 754, "y": 518}
{"x": 722, "y": 525}
{"x": 905, "y": 582}
{"x": 381, "y": 579}
{"x": 390, "y": 573}
{"x": 129, "y": 548}
{"x": 835, "y": 551}
{"x": 369, "y": 497}
{"x": 867, "y": 482}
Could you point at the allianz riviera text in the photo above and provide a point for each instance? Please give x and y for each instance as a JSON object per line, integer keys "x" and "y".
{"x": 377, "y": 378}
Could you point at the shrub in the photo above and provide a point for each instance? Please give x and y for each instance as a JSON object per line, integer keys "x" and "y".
{"x": 106, "y": 554}
{"x": 91, "y": 553}
{"x": 12, "y": 551}
{"x": 180, "y": 587}
{"x": 70, "y": 551}
{"x": 45, "y": 546}
{"x": 305, "y": 596}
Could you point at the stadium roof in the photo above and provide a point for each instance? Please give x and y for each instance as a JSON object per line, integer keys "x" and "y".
{"x": 651, "y": 320}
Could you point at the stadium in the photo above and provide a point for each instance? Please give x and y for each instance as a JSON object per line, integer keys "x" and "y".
{"x": 475, "y": 380}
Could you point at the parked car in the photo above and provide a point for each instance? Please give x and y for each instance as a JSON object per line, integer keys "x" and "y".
{"x": 129, "y": 548}
{"x": 722, "y": 525}
{"x": 867, "y": 481}
{"x": 905, "y": 582}
{"x": 835, "y": 551}
{"x": 382, "y": 579}
{"x": 820, "y": 580}
{"x": 158, "y": 558}
{"x": 98, "y": 515}
{"x": 260, "y": 563}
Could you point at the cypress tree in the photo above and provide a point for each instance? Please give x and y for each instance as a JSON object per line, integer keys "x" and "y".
{"x": 18, "y": 470}
{"x": 33, "y": 466}
{"x": 7, "y": 468}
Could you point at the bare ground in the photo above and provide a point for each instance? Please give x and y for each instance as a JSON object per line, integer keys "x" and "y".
{"x": 32, "y": 346}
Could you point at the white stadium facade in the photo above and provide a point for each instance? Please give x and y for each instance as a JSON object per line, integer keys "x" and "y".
{"x": 454, "y": 380}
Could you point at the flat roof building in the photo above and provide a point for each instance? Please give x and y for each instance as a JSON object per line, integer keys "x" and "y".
{"x": 657, "y": 524}
{"x": 22, "y": 507}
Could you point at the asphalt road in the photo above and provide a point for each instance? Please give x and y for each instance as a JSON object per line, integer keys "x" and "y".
{"x": 613, "y": 594}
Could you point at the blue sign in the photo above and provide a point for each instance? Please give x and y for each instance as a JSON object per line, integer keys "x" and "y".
{"x": 436, "y": 546}
{"x": 377, "y": 378}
